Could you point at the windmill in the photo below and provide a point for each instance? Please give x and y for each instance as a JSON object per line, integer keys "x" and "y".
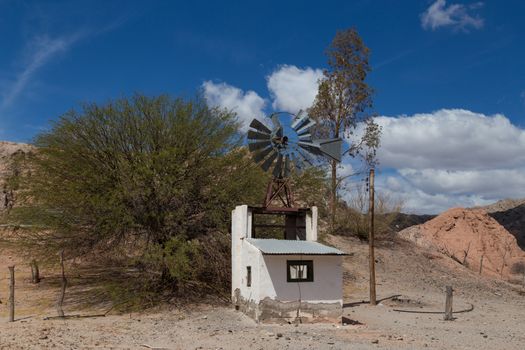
{"x": 282, "y": 148}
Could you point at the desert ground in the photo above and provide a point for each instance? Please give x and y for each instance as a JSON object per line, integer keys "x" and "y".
{"x": 408, "y": 278}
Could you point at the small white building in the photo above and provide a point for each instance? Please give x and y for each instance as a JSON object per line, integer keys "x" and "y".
{"x": 275, "y": 280}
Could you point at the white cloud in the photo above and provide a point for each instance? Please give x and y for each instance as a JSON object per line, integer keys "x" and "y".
{"x": 247, "y": 105}
{"x": 293, "y": 89}
{"x": 346, "y": 170}
{"x": 456, "y": 16}
{"x": 451, "y": 139}
{"x": 492, "y": 183}
{"x": 43, "y": 50}
{"x": 430, "y": 161}
{"x": 416, "y": 200}
{"x": 452, "y": 157}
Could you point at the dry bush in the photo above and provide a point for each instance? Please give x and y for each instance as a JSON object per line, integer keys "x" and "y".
{"x": 353, "y": 219}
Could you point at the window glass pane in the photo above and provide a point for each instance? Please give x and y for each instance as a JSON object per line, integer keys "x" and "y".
{"x": 294, "y": 271}
{"x": 303, "y": 271}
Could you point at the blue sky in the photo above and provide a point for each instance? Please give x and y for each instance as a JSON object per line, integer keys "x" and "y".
{"x": 449, "y": 69}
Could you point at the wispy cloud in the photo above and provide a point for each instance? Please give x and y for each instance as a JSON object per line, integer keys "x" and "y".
{"x": 392, "y": 59}
{"x": 44, "y": 50}
{"x": 455, "y": 16}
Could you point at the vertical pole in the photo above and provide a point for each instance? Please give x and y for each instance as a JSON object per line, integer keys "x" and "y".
{"x": 60, "y": 300}
{"x": 448, "y": 304}
{"x": 11, "y": 294}
{"x": 481, "y": 265}
{"x": 371, "y": 240}
{"x": 35, "y": 272}
{"x": 333, "y": 195}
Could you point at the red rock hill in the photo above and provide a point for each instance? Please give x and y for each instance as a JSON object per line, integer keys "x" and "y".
{"x": 471, "y": 237}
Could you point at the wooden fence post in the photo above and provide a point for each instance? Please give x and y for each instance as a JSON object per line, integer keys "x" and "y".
{"x": 35, "y": 272}
{"x": 11, "y": 293}
{"x": 62, "y": 294}
{"x": 371, "y": 256}
{"x": 481, "y": 265}
{"x": 448, "y": 304}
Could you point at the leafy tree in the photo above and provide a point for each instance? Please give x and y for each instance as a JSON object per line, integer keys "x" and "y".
{"x": 147, "y": 181}
{"x": 143, "y": 177}
{"x": 343, "y": 102}
{"x": 311, "y": 189}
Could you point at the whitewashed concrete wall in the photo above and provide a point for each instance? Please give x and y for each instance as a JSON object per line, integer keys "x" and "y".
{"x": 251, "y": 256}
{"x": 241, "y": 229}
{"x": 326, "y": 287}
{"x": 311, "y": 225}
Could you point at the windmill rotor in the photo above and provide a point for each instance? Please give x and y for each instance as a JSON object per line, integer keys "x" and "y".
{"x": 280, "y": 148}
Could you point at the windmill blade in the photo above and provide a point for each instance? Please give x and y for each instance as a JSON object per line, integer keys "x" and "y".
{"x": 299, "y": 122}
{"x": 268, "y": 162}
{"x": 254, "y": 135}
{"x": 305, "y": 159}
{"x": 278, "y": 166}
{"x": 332, "y": 148}
{"x": 257, "y": 125}
{"x": 305, "y": 137}
{"x": 277, "y": 125}
{"x": 306, "y": 127}
{"x": 305, "y": 131}
{"x": 311, "y": 147}
{"x": 300, "y": 161}
{"x": 254, "y": 146}
{"x": 262, "y": 154}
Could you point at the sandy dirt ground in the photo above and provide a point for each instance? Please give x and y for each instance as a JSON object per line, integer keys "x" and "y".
{"x": 416, "y": 275}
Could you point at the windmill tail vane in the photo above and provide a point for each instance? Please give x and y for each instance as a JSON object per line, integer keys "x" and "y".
{"x": 280, "y": 148}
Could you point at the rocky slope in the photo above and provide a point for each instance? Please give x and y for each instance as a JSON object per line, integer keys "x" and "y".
{"x": 502, "y": 205}
{"x": 513, "y": 220}
{"x": 403, "y": 221}
{"x": 474, "y": 239}
{"x": 510, "y": 213}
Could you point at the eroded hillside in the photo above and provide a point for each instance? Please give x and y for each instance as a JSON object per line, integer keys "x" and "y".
{"x": 474, "y": 239}
{"x": 510, "y": 213}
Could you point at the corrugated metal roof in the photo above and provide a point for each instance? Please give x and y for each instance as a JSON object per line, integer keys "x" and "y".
{"x": 290, "y": 247}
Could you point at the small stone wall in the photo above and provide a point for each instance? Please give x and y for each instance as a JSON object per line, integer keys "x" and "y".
{"x": 275, "y": 311}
